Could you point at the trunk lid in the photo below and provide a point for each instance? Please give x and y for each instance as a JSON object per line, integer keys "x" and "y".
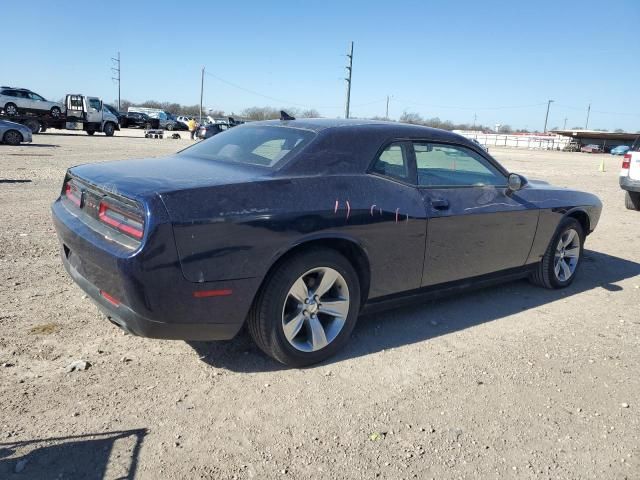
{"x": 138, "y": 179}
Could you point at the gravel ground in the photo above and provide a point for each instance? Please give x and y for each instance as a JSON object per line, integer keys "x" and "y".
{"x": 508, "y": 382}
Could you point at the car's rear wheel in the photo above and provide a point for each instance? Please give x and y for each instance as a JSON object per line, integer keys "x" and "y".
{"x": 307, "y": 308}
{"x": 11, "y": 109}
{"x": 55, "y": 112}
{"x": 560, "y": 262}
{"x": 632, "y": 200}
{"x": 12, "y": 137}
{"x": 90, "y": 132}
{"x": 33, "y": 125}
{"x": 170, "y": 126}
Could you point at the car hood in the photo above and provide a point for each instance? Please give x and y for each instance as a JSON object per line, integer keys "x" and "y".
{"x": 139, "y": 178}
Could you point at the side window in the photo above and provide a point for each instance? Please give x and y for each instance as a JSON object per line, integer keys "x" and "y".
{"x": 35, "y": 96}
{"x": 393, "y": 162}
{"x": 9, "y": 93}
{"x": 452, "y": 166}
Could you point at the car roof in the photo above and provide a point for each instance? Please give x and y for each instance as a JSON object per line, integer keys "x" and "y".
{"x": 384, "y": 128}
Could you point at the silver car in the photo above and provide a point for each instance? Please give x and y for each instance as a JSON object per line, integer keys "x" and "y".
{"x": 13, "y": 133}
{"x": 16, "y": 100}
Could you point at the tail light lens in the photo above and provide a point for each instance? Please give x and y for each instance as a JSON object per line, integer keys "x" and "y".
{"x": 626, "y": 161}
{"x": 129, "y": 222}
{"x": 73, "y": 194}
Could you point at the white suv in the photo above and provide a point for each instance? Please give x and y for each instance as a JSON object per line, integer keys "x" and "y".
{"x": 15, "y": 100}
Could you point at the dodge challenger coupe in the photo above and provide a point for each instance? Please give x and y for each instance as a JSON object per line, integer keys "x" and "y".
{"x": 295, "y": 227}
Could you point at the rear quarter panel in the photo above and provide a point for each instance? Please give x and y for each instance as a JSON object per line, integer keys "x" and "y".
{"x": 239, "y": 230}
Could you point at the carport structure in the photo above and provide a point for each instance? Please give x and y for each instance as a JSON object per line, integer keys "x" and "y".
{"x": 606, "y": 140}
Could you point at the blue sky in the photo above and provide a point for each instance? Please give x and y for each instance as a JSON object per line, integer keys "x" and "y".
{"x": 438, "y": 58}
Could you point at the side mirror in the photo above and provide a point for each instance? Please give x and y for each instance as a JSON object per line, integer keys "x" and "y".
{"x": 516, "y": 182}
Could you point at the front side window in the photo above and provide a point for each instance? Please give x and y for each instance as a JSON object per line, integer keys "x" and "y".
{"x": 259, "y": 145}
{"x": 94, "y": 103}
{"x": 35, "y": 96}
{"x": 393, "y": 162}
{"x": 454, "y": 166}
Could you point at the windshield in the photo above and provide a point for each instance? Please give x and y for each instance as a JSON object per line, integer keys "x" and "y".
{"x": 254, "y": 145}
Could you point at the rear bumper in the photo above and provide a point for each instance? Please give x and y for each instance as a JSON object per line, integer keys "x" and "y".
{"x": 136, "y": 324}
{"x": 628, "y": 184}
{"x": 151, "y": 296}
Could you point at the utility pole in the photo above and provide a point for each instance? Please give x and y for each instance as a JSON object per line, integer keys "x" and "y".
{"x": 116, "y": 71}
{"x": 588, "y": 112}
{"x": 348, "y": 79}
{"x": 201, "y": 93}
{"x": 565, "y": 123}
{"x": 475, "y": 118}
{"x": 386, "y": 115}
{"x": 547, "y": 117}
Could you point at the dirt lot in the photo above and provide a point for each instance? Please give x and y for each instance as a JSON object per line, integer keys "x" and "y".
{"x": 508, "y": 382}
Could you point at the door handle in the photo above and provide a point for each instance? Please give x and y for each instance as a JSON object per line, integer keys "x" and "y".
{"x": 440, "y": 203}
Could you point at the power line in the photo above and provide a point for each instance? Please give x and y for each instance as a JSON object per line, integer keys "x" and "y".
{"x": 412, "y": 103}
{"x": 282, "y": 101}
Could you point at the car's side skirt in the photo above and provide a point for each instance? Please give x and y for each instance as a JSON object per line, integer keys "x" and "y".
{"x": 445, "y": 289}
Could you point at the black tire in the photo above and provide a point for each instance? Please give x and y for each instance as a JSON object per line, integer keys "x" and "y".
{"x": 12, "y": 137}
{"x": 33, "y": 125}
{"x": 170, "y": 126}
{"x": 11, "y": 109}
{"x": 90, "y": 132}
{"x": 55, "y": 112}
{"x": 109, "y": 129}
{"x": 632, "y": 200}
{"x": 147, "y": 126}
{"x": 43, "y": 129}
{"x": 544, "y": 275}
{"x": 265, "y": 320}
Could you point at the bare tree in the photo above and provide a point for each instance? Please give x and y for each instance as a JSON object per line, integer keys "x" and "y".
{"x": 411, "y": 117}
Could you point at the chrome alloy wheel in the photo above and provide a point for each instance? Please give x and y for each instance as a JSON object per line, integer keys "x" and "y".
{"x": 315, "y": 309}
{"x": 567, "y": 255}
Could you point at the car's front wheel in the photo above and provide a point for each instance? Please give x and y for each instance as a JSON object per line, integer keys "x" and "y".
{"x": 55, "y": 112}
{"x": 632, "y": 200}
{"x": 560, "y": 262}
{"x": 307, "y": 308}
{"x": 12, "y": 137}
{"x": 109, "y": 129}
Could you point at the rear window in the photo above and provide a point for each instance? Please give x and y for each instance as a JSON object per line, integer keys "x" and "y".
{"x": 260, "y": 145}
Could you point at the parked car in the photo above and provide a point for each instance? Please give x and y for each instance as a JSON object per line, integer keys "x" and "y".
{"x": 481, "y": 145}
{"x": 12, "y": 133}
{"x": 572, "y": 146}
{"x": 211, "y": 129}
{"x": 591, "y": 148}
{"x": 295, "y": 227}
{"x": 138, "y": 120}
{"x": 183, "y": 120}
{"x": 620, "y": 150}
{"x": 114, "y": 111}
{"x": 630, "y": 177}
{"x": 17, "y": 100}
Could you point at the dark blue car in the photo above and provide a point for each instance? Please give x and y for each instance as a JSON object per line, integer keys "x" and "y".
{"x": 296, "y": 227}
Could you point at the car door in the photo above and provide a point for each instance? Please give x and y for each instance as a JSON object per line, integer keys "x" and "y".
{"x": 94, "y": 110}
{"x": 397, "y": 223}
{"x": 475, "y": 224}
{"x": 36, "y": 102}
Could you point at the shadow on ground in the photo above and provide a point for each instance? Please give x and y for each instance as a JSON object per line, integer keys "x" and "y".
{"x": 11, "y": 180}
{"x": 407, "y": 325}
{"x": 82, "y": 457}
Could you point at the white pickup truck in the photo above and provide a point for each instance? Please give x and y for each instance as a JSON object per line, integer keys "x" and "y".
{"x": 630, "y": 177}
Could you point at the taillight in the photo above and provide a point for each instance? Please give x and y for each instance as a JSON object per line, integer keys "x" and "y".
{"x": 626, "y": 161}
{"x": 128, "y": 222}
{"x": 73, "y": 194}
